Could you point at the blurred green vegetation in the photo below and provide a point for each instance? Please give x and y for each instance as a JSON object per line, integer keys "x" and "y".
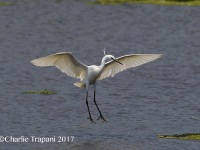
{"x": 5, "y": 4}
{"x": 45, "y": 91}
{"x": 186, "y": 136}
{"x": 157, "y": 2}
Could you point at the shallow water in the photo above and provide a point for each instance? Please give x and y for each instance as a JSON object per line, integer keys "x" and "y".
{"x": 161, "y": 97}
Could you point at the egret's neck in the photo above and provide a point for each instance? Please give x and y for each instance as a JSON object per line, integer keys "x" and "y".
{"x": 103, "y": 61}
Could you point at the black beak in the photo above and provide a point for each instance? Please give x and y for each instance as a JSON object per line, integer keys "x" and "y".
{"x": 117, "y": 61}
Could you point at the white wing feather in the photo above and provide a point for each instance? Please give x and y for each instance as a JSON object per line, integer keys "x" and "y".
{"x": 64, "y": 61}
{"x": 111, "y": 68}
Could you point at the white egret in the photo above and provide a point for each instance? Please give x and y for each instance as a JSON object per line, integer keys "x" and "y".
{"x": 68, "y": 64}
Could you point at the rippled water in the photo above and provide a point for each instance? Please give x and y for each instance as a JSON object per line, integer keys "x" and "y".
{"x": 161, "y": 97}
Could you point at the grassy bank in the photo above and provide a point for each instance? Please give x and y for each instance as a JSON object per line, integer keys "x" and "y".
{"x": 186, "y": 136}
{"x": 156, "y": 2}
{"x": 41, "y": 92}
{"x": 5, "y": 4}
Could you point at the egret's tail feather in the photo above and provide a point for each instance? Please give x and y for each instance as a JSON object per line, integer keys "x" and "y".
{"x": 79, "y": 84}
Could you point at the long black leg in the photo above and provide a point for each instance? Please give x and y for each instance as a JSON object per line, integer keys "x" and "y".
{"x": 90, "y": 117}
{"x": 101, "y": 116}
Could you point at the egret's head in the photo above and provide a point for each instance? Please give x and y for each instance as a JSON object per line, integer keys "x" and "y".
{"x": 110, "y": 56}
{"x": 113, "y": 58}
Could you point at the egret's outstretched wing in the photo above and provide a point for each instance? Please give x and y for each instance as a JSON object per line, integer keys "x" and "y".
{"x": 64, "y": 61}
{"x": 111, "y": 68}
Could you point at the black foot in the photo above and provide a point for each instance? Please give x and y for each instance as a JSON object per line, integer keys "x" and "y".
{"x": 91, "y": 120}
{"x": 102, "y": 118}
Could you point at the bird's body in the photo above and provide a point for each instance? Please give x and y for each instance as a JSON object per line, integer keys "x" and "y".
{"x": 91, "y": 76}
{"x": 88, "y": 75}
{"x": 92, "y": 73}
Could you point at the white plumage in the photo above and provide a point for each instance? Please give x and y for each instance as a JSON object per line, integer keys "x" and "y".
{"x": 88, "y": 75}
{"x": 111, "y": 68}
{"x": 64, "y": 61}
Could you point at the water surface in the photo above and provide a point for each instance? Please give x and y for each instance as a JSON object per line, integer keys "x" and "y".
{"x": 161, "y": 97}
